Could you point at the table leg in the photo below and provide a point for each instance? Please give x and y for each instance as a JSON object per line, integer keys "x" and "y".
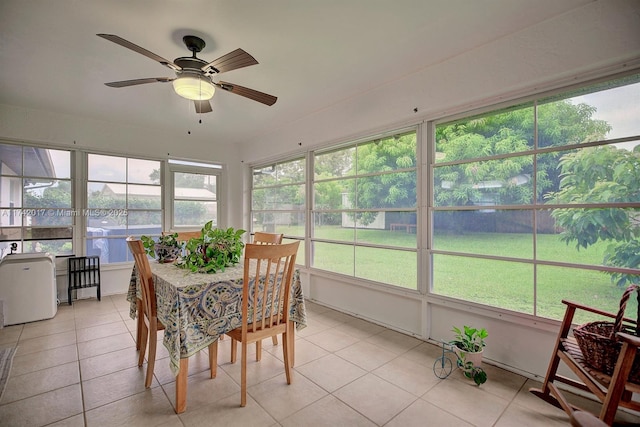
{"x": 181, "y": 386}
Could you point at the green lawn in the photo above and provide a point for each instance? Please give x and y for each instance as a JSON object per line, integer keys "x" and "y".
{"x": 503, "y": 284}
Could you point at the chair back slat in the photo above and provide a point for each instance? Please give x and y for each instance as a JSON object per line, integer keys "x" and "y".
{"x": 262, "y": 238}
{"x": 146, "y": 279}
{"x": 268, "y": 273}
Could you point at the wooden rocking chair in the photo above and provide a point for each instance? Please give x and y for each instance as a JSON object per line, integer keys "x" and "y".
{"x": 612, "y": 391}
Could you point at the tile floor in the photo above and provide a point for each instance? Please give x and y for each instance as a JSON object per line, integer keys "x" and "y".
{"x": 80, "y": 369}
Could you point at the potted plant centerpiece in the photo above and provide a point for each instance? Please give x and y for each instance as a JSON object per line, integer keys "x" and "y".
{"x": 214, "y": 250}
{"x": 166, "y": 249}
{"x": 468, "y": 345}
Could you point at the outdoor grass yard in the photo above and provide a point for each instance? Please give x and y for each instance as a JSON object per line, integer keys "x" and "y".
{"x": 496, "y": 283}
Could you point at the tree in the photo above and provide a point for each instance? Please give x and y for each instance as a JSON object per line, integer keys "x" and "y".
{"x": 602, "y": 175}
{"x": 559, "y": 123}
{"x": 386, "y": 190}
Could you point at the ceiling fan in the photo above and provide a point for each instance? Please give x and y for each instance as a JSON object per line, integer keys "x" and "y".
{"x": 193, "y": 75}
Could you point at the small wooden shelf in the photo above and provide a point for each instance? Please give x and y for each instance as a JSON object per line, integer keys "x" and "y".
{"x": 83, "y": 272}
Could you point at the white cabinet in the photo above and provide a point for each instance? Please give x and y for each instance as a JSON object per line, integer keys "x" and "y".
{"x": 28, "y": 288}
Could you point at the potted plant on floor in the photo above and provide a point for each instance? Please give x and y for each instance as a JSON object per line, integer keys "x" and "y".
{"x": 166, "y": 249}
{"x": 468, "y": 345}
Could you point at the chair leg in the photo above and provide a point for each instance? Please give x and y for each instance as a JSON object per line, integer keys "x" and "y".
{"x": 213, "y": 358}
{"x": 139, "y": 322}
{"x": 234, "y": 350}
{"x": 243, "y": 376}
{"x": 258, "y": 350}
{"x": 286, "y": 347}
{"x": 274, "y": 340}
{"x": 151, "y": 358}
{"x": 144, "y": 336}
{"x": 292, "y": 342}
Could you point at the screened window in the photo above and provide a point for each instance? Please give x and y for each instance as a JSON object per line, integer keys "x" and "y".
{"x": 195, "y": 200}
{"x": 36, "y": 203}
{"x": 124, "y": 197}
{"x": 540, "y": 202}
{"x": 278, "y": 200}
{"x": 364, "y": 210}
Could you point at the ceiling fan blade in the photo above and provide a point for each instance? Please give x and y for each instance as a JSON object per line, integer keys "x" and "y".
{"x": 140, "y": 50}
{"x": 125, "y": 83}
{"x": 231, "y": 61}
{"x": 264, "y": 98}
{"x": 203, "y": 106}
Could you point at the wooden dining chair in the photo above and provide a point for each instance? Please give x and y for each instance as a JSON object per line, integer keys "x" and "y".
{"x": 150, "y": 324}
{"x": 268, "y": 275}
{"x": 262, "y": 238}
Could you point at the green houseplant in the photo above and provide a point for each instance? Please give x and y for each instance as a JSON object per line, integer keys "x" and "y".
{"x": 214, "y": 250}
{"x": 166, "y": 249}
{"x": 469, "y": 344}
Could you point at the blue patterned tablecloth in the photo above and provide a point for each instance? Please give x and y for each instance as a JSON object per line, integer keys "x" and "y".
{"x": 197, "y": 308}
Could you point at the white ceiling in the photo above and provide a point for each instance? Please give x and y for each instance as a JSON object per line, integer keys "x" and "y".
{"x": 312, "y": 54}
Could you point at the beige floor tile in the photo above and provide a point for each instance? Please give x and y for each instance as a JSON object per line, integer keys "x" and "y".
{"x": 101, "y": 331}
{"x": 502, "y": 382}
{"x": 332, "y": 317}
{"x": 327, "y": 412}
{"x": 198, "y": 363}
{"x": 43, "y": 359}
{"x": 227, "y": 413}
{"x": 408, "y": 375}
{"x": 203, "y": 390}
{"x": 267, "y": 368}
{"x": 38, "y": 382}
{"x": 39, "y": 329}
{"x": 348, "y": 372}
{"x": 531, "y": 402}
{"x": 75, "y": 421}
{"x": 88, "y": 319}
{"x": 313, "y": 327}
{"x": 366, "y": 355}
{"x": 305, "y": 351}
{"x": 422, "y": 413}
{"x": 467, "y": 401}
{"x": 148, "y": 408}
{"x": 46, "y": 343}
{"x": 43, "y": 409}
{"x": 332, "y": 340}
{"x": 394, "y": 341}
{"x": 10, "y": 335}
{"x": 105, "y": 345}
{"x": 112, "y": 387}
{"x": 517, "y": 415}
{"x": 375, "y": 398}
{"x": 108, "y": 363}
{"x": 425, "y": 354}
{"x": 331, "y": 372}
{"x": 281, "y": 399}
{"x": 359, "y": 328}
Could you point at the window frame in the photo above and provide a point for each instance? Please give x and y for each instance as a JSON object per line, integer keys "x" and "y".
{"x": 563, "y": 93}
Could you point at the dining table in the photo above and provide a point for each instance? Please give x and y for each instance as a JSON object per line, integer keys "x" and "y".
{"x": 196, "y": 309}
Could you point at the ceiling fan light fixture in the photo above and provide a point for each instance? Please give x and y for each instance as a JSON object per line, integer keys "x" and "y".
{"x": 194, "y": 87}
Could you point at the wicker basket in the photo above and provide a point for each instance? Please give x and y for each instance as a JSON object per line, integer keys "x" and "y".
{"x": 598, "y": 343}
